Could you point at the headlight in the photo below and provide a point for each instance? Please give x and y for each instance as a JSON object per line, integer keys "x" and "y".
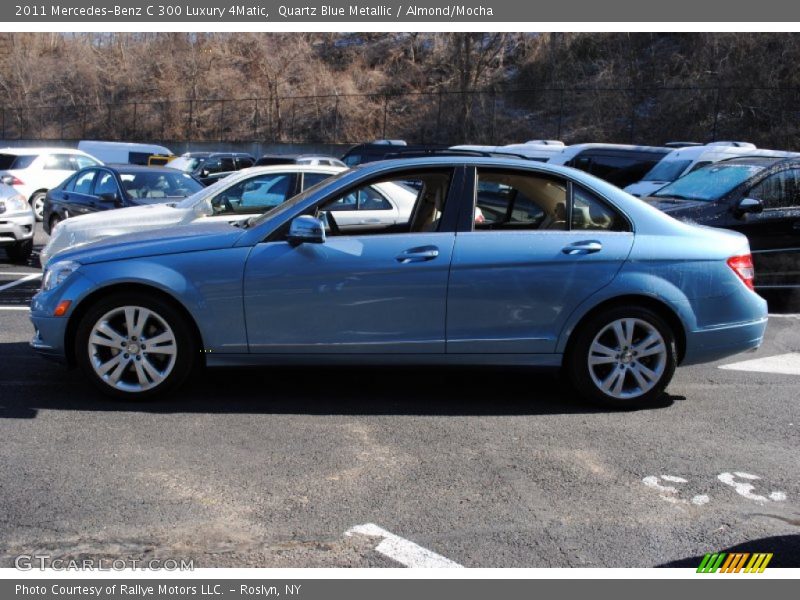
{"x": 16, "y": 204}
{"x": 57, "y": 273}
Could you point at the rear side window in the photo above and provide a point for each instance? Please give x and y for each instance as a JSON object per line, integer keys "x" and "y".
{"x": 12, "y": 161}
{"x": 508, "y": 200}
{"x": 310, "y": 179}
{"x": 619, "y": 170}
{"x": 59, "y": 162}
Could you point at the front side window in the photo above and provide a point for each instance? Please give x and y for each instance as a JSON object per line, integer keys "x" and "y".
{"x": 420, "y": 206}
{"x": 780, "y": 190}
{"x": 106, "y": 184}
{"x": 255, "y": 195}
{"x": 83, "y": 182}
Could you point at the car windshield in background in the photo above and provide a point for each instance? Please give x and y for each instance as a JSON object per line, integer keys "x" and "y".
{"x": 185, "y": 163}
{"x": 668, "y": 170}
{"x": 149, "y": 186}
{"x": 709, "y": 183}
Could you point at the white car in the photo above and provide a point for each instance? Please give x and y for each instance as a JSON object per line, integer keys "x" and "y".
{"x": 33, "y": 171}
{"x": 16, "y": 224}
{"x": 237, "y": 198}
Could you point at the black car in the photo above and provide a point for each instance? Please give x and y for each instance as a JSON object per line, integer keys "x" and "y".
{"x": 383, "y": 150}
{"x": 757, "y": 196}
{"x": 206, "y": 166}
{"x": 115, "y": 186}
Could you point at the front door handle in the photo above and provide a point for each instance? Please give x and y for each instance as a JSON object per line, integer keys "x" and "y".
{"x": 421, "y": 254}
{"x": 584, "y": 247}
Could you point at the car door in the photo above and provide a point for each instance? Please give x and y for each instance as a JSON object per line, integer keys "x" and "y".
{"x": 534, "y": 249}
{"x": 774, "y": 234}
{"x": 363, "y": 292}
{"x": 80, "y": 200}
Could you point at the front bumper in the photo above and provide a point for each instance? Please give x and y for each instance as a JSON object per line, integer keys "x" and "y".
{"x": 16, "y": 227}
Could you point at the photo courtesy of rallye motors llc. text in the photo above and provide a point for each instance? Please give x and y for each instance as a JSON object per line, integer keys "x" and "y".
{"x": 144, "y": 591}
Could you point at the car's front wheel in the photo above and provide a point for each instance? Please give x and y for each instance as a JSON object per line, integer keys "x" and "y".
{"x": 134, "y": 346}
{"x": 623, "y": 357}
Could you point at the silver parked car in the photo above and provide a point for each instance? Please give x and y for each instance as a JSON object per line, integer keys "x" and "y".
{"x": 16, "y": 224}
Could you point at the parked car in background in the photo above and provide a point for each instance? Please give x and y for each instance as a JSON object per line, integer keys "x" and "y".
{"x": 314, "y": 160}
{"x": 107, "y": 187}
{"x": 618, "y": 298}
{"x": 129, "y": 153}
{"x": 538, "y": 150}
{"x": 33, "y": 171}
{"x": 207, "y": 167}
{"x": 684, "y": 160}
{"x": 381, "y": 149}
{"x": 619, "y": 164}
{"x": 237, "y": 198}
{"x": 16, "y": 224}
{"x": 758, "y": 196}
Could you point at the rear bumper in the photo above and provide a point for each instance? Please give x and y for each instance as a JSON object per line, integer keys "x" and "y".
{"x": 712, "y": 344}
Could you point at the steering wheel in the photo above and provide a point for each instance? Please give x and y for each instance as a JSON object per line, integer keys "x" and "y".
{"x": 221, "y": 204}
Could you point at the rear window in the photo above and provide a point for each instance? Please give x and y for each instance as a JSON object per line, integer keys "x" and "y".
{"x": 14, "y": 161}
{"x": 667, "y": 170}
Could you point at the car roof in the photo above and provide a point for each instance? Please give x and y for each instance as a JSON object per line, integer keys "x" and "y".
{"x": 207, "y": 153}
{"x": 760, "y": 161}
{"x": 136, "y": 168}
{"x": 41, "y": 150}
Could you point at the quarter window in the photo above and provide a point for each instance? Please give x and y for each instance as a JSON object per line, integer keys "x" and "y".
{"x": 590, "y": 213}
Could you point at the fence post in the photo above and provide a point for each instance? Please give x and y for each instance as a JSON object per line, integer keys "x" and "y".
{"x": 164, "y": 106}
{"x": 191, "y": 119}
{"x": 83, "y": 122}
{"x": 255, "y": 119}
{"x": 4, "y": 122}
{"x": 221, "y": 120}
{"x": 633, "y": 115}
{"x": 716, "y": 116}
{"x": 560, "y": 113}
{"x": 385, "y": 113}
{"x": 336, "y": 119}
{"x": 439, "y": 118}
{"x": 135, "y": 110}
{"x": 291, "y": 134}
{"x": 494, "y": 116}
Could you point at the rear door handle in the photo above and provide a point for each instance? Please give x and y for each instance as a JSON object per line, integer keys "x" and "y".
{"x": 421, "y": 254}
{"x": 584, "y": 247}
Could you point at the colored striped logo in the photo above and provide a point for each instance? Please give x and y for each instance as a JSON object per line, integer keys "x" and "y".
{"x": 735, "y": 562}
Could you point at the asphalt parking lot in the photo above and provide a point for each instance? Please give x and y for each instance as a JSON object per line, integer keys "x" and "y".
{"x": 381, "y": 467}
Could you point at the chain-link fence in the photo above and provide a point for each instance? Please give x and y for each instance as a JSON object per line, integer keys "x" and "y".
{"x": 765, "y": 116}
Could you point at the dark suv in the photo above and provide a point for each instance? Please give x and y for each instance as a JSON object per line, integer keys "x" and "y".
{"x": 206, "y": 167}
{"x": 757, "y": 196}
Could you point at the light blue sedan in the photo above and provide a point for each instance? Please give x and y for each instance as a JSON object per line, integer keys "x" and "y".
{"x": 502, "y": 262}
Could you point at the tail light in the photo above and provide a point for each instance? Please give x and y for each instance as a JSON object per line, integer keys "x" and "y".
{"x": 743, "y": 267}
{"x": 12, "y": 180}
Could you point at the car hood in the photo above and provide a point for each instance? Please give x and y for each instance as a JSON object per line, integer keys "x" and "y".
{"x": 193, "y": 237}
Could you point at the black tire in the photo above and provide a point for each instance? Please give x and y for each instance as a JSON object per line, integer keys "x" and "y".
{"x": 36, "y": 198}
{"x": 20, "y": 252}
{"x": 577, "y": 360}
{"x": 187, "y": 351}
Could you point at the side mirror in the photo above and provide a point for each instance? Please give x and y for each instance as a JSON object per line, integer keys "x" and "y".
{"x": 749, "y": 205}
{"x": 111, "y": 197}
{"x": 306, "y": 229}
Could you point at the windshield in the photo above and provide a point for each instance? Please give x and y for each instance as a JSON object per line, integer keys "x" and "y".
{"x": 282, "y": 208}
{"x": 157, "y": 186}
{"x": 709, "y": 183}
{"x": 666, "y": 170}
{"x": 187, "y": 164}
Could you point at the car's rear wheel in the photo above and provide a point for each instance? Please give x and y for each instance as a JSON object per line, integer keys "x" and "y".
{"x": 20, "y": 252}
{"x": 37, "y": 202}
{"x": 133, "y": 346}
{"x": 623, "y": 357}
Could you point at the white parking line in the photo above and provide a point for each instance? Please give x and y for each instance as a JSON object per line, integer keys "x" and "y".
{"x": 25, "y": 308}
{"x": 30, "y": 277}
{"x": 784, "y": 316}
{"x": 16, "y": 273}
{"x": 403, "y": 551}
{"x": 783, "y": 364}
